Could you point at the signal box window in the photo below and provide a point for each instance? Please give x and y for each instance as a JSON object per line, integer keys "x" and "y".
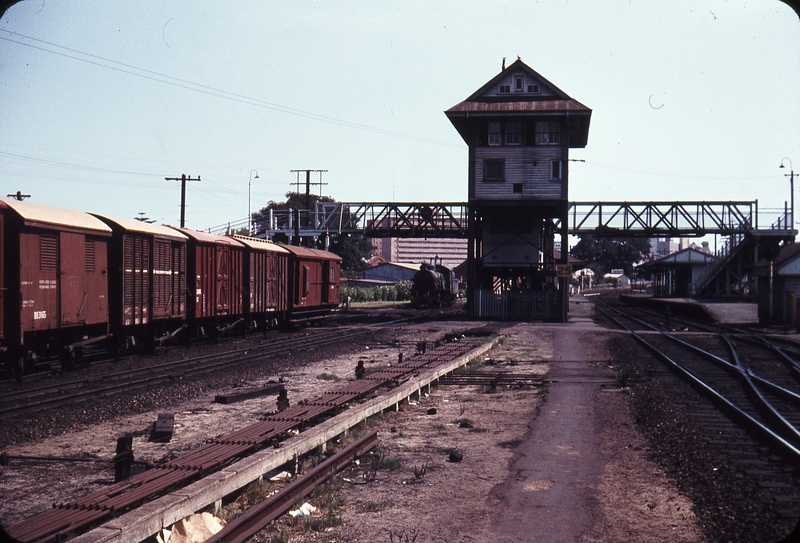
{"x": 548, "y": 133}
{"x": 555, "y": 169}
{"x": 505, "y": 89}
{"x": 513, "y": 133}
{"x": 494, "y": 133}
{"x": 494, "y": 170}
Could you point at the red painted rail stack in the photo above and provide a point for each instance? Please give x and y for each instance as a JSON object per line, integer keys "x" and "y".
{"x": 68, "y": 518}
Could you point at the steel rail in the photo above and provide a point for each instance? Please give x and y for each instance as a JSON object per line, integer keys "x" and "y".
{"x": 64, "y": 519}
{"x": 740, "y": 416}
{"x": 222, "y": 359}
{"x": 258, "y": 517}
{"x": 769, "y": 410}
{"x": 748, "y": 380}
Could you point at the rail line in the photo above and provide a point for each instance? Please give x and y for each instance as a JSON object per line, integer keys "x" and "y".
{"x": 67, "y": 518}
{"x": 65, "y": 392}
{"x": 765, "y": 400}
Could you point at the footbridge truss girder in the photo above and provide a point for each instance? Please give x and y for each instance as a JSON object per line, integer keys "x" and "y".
{"x": 450, "y": 220}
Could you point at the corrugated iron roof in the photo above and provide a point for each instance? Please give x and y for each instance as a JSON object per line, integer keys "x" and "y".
{"x": 39, "y": 215}
{"x": 260, "y": 244}
{"x": 518, "y": 106}
{"x": 404, "y": 265}
{"x": 133, "y": 225}
{"x": 205, "y": 237}
{"x": 311, "y": 253}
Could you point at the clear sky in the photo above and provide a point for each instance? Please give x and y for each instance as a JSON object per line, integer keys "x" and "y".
{"x": 691, "y": 100}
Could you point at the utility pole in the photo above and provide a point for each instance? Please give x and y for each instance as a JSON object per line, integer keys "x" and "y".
{"x": 183, "y": 179}
{"x": 309, "y": 183}
{"x": 19, "y": 196}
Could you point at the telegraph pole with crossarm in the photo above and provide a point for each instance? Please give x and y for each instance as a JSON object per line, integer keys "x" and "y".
{"x": 183, "y": 179}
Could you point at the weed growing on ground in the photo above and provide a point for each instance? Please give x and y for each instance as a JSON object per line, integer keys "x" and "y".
{"x": 390, "y": 463}
{"x": 419, "y": 472}
{"x": 374, "y": 421}
{"x": 328, "y": 377}
{"x": 256, "y": 492}
{"x": 278, "y": 538}
{"x": 372, "y": 506}
{"x": 403, "y": 537}
{"x": 375, "y": 369}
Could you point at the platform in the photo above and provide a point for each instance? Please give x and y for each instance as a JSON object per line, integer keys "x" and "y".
{"x": 719, "y": 312}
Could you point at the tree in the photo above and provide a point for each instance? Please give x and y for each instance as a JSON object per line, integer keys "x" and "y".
{"x": 604, "y": 253}
{"x": 354, "y": 249}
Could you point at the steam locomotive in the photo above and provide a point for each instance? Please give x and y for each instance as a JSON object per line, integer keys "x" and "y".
{"x": 434, "y": 285}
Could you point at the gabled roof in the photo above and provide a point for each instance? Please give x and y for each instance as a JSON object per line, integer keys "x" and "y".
{"x": 46, "y": 216}
{"x": 259, "y": 244}
{"x": 681, "y": 258}
{"x": 546, "y": 89}
{"x": 538, "y": 97}
{"x": 786, "y": 263}
{"x": 132, "y": 225}
{"x": 305, "y": 252}
{"x": 403, "y": 265}
{"x": 205, "y": 237}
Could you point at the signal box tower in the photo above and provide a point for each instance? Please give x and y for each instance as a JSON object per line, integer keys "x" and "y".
{"x": 519, "y": 128}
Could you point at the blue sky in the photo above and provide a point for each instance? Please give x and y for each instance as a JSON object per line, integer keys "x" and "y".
{"x": 103, "y": 100}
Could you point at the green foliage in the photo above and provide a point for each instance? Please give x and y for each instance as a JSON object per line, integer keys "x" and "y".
{"x": 355, "y": 250}
{"x": 376, "y": 294}
{"x": 294, "y": 200}
{"x": 390, "y": 463}
{"x": 404, "y": 290}
{"x": 603, "y": 252}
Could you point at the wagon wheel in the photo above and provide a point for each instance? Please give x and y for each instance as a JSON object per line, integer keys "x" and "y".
{"x": 67, "y": 358}
{"x": 15, "y": 365}
{"x": 113, "y": 347}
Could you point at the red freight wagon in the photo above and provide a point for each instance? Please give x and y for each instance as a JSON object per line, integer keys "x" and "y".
{"x": 315, "y": 276}
{"x": 215, "y": 281}
{"x": 147, "y": 282}
{"x": 267, "y": 277}
{"x": 58, "y": 259}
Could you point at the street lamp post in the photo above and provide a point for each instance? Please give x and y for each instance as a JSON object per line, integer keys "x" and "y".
{"x": 790, "y": 175}
{"x": 249, "y": 215}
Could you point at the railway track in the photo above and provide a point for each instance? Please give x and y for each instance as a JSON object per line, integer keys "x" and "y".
{"x": 65, "y": 519}
{"x": 98, "y": 386}
{"x": 745, "y": 397}
{"x": 16, "y": 400}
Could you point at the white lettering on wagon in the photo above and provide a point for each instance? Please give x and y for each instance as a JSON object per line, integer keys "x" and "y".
{"x": 39, "y": 315}
{"x": 47, "y": 284}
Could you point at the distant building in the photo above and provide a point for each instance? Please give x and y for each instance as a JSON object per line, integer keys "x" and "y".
{"x": 390, "y": 272}
{"x": 451, "y": 252}
{"x": 785, "y": 287}
{"x": 675, "y": 275}
{"x": 663, "y": 246}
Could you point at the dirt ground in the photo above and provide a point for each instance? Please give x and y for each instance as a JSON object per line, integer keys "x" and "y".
{"x": 629, "y": 499}
{"x": 417, "y": 494}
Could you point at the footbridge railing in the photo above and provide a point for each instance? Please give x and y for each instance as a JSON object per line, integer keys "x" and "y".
{"x": 450, "y": 220}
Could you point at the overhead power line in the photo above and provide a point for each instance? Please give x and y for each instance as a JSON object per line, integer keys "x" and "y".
{"x": 205, "y": 89}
